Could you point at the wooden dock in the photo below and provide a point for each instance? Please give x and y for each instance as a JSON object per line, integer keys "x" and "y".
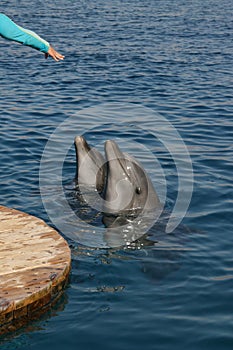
{"x": 35, "y": 262}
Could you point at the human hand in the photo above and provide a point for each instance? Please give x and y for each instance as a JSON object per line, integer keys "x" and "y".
{"x": 54, "y": 54}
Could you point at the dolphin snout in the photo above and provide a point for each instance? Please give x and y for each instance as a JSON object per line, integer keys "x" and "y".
{"x": 79, "y": 141}
{"x": 112, "y": 150}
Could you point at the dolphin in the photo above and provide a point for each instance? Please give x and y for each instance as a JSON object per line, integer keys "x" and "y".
{"x": 128, "y": 189}
{"x": 90, "y": 165}
{"x": 118, "y": 187}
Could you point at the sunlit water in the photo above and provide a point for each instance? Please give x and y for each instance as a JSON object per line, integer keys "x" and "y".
{"x": 169, "y": 291}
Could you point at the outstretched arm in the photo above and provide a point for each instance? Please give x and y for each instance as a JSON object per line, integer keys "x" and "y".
{"x": 11, "y": 31}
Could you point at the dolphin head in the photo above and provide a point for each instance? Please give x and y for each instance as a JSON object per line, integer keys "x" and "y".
{"x": 90, "y": 165}
{"x": 128, "y": 190}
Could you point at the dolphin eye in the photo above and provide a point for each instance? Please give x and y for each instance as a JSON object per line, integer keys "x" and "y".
{"x": 138, "y": 190}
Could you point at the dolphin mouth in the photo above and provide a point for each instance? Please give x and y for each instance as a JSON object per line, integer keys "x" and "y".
{"x": 122, "y": 185}
{"x": 81, "y": 145}
{"x": 80, "y": 140}
{"x": 126, "y": 212}
{"x": 111, "y": 149}
{"x": 113, "y": 152}
{"x": 90, "y": 165}
{"x": 118, "y": 189}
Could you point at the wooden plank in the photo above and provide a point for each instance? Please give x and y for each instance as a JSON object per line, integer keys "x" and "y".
{"x": 35, "y": 262}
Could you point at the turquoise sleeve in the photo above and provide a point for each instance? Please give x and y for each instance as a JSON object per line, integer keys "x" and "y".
{"x": 11, "y": 31}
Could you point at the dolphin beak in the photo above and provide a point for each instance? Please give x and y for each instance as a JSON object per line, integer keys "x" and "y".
{"x": 90, "y": 165}
{"x": 82, "y": 149}
{"x": 81, "y": 144}
{"x": 112, "y": 150}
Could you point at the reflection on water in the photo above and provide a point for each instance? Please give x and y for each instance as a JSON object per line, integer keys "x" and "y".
{"x": 34, "y": 325}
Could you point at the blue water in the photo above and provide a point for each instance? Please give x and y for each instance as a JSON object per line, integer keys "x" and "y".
{"x": 173, "y": 58}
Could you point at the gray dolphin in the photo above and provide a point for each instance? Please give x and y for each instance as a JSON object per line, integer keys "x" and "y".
{"x": 90, "y": 165}
{"x": 125, "y": 191}
{"x": 128, "y": 189}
